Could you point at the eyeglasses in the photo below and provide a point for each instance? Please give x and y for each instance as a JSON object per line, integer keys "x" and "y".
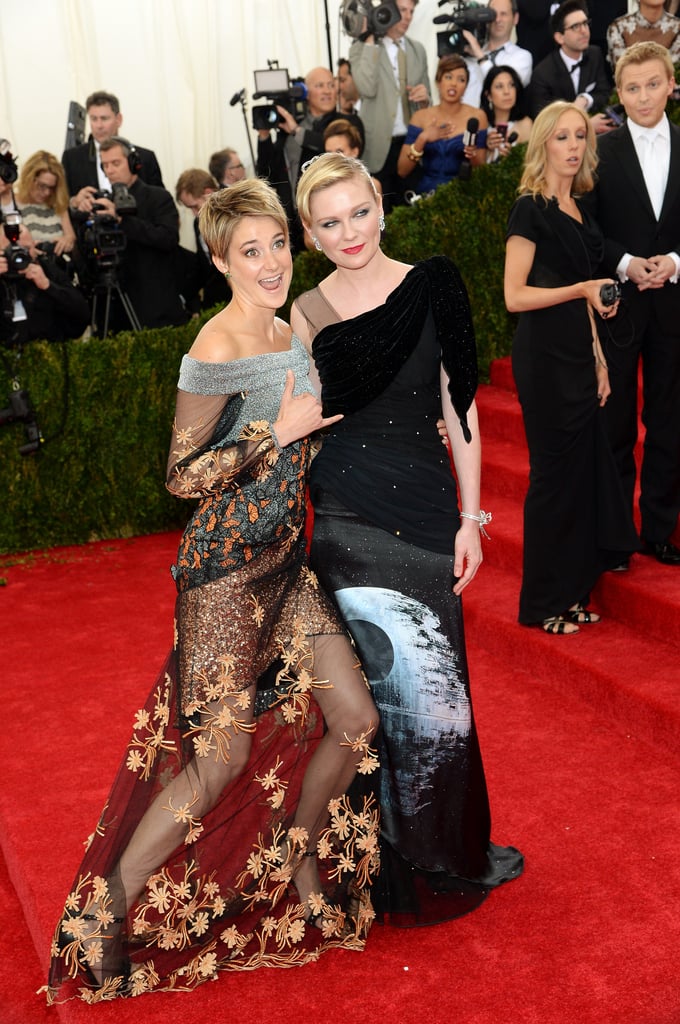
{"x": 579, "y": 26}
{"x": 42, "y": 186}
{"x": 234, "y": 167}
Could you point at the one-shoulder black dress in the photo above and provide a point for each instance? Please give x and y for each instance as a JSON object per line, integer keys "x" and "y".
{"x": 386, "y": 517}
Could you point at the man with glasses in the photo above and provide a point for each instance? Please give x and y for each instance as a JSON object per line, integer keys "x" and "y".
{"x": 575, "y": 71}
{"x": 226, "y": 167}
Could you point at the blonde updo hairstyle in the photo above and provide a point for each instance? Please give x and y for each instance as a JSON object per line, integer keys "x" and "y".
{"x": 325, "y": 171}
{"x": 533, "y": 180}
{"x": 223, "y": 211}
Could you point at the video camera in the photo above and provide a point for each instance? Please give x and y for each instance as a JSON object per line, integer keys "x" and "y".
{"x": 274, "y": 84}
{"x": 102, "y": 239}
{"x": 360, "y": 18}
{"x": 123, "y": 201}
{"x": 470, "y": 17}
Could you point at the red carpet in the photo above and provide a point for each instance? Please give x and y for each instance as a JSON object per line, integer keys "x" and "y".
{"x": 580, "y": 737}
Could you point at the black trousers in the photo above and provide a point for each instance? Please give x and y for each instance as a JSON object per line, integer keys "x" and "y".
{"x": 660, "y": 471}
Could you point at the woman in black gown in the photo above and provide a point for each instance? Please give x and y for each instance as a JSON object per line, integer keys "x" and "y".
{"x": 394, "y": 347}
{"x": 575, "y": 522}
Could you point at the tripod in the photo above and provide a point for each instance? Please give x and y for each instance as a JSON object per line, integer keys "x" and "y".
{"x": 107, "y": 285}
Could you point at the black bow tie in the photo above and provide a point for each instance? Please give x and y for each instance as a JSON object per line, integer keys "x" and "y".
{"x": 574, "y": 67}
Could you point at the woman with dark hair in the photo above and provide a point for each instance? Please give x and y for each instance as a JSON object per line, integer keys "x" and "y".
{"x": 576, "y": 521}
{"x": 435, "y": 140}
{"x": 394, "y": 349}
{"x": 503, "y": 103}
{"x": 230, "y": 840}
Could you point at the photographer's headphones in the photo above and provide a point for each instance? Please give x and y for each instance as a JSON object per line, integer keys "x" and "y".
{"x": 133, "y": 158}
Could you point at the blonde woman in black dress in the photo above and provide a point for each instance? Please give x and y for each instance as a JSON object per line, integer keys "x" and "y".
{"x": 575, "y": 521}
{"x": 394, "y": 349}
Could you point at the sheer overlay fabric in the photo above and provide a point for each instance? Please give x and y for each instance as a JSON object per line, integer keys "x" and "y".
{"x": 237, "y": 776}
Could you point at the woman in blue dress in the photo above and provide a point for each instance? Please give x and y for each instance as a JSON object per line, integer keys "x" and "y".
{"x": 435, "y": 139}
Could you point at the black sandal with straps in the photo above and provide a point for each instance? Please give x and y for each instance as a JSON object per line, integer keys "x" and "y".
{"x": 557, "y": 625}
{"x": 580, "y": 615}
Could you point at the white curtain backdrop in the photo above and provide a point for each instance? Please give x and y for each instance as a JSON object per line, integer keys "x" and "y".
{"x": 174, "y": 65}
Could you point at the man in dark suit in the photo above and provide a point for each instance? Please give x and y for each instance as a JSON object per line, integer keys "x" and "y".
{"x": 82, "y": 164}
{"x": 201, "y": 283}
{"x": 575, "y": 71}
{"x": 637, "y": 204}
{"x": 148, "y": 271}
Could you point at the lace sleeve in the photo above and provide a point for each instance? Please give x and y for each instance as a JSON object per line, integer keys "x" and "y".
{"x": 204, "y": 456}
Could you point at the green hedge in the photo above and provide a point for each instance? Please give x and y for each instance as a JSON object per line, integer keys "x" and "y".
{"x": 100, "y": 473}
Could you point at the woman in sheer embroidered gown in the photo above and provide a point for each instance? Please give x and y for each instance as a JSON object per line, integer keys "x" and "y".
{"x": 229, "y": 840}
{"x": 393, "y": 346}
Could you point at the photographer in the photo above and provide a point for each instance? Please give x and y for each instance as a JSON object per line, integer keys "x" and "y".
{"x": 280, "y": 159}
{"x": 498, "y": 49}
{"x": 391, "y": 75}
{"x": 149, "y": 223}
{"x": 82, "y": 164}
{"x": 39, "y": 300}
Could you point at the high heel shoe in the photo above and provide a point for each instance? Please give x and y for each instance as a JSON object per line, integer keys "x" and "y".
{"x": 101, "y": 940}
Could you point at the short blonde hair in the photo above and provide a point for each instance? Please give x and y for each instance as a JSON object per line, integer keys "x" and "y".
{"x": 223, "y": 211}
{"x": 40, "y": 163}
{"x": 639, "y": 53}
{"x": 324, "y": 171}
{"x": 533, "y": 178}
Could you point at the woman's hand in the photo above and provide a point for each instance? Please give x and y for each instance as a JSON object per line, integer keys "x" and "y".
{"x": 591, "y": 292}
{"x": 299, "y": 415}
{"x": 64, "y": 244}
{"x": 443, "y": 432}
{"x": 434, "y": 131}
{"x": 603, "y": 387}
{"x": 496, "y": 141}
{"x": 467, "y": 554}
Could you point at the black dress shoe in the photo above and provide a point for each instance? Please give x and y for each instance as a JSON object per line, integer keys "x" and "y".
{"x": 664, "y": 552}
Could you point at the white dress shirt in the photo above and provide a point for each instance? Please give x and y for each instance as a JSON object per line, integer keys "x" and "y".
{"x": 653, "y": 148}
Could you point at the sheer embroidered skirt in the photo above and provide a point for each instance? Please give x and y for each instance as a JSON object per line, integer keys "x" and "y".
{"x": 195, "y": 864}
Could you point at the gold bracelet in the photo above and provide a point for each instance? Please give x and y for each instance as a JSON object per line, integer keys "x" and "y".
{"x": 415, "y": 154}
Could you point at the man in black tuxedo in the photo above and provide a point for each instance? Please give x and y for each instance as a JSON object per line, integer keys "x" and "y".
{"x": 202, "y": 284}
{"x": 82, "y": 164}
{"x": 637, "y": 204}
{"x": 575, "y": 71}
{"x": 148, "y": 271}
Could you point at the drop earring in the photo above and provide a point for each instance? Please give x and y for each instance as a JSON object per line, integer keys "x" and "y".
{"x": 317, "y": 244}
{"x": 381, "y": 222}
